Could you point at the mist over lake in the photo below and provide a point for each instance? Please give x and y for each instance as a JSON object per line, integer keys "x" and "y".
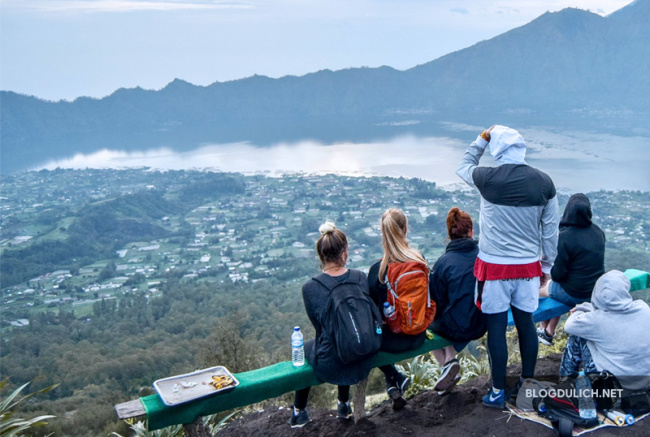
{"x": 577, "y": 161}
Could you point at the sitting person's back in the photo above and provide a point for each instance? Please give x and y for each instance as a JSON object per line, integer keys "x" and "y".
{"x": 616, "y": 329}
{"x": 452, "y": 286}
{"x": 580, "y": 261}
{"x": 581, "y": 250}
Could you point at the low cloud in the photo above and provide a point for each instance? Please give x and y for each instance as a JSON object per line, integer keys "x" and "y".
{"x": 461, "y": 11}
{"x": 129, "y": 5}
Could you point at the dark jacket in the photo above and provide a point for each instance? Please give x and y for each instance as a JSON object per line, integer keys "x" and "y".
{"x": 321, "y": 353}
{"x": 452, "y": 284}
{"x": 580, "y": 259}
{"x": 379, "y": 294}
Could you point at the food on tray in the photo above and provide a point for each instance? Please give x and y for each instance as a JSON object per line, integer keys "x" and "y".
{"x": 221, "y": 381}
{"x": 188, "y": 384}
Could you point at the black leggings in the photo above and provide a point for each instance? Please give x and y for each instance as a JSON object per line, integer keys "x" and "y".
{"x": 300, "y": 401}
{"x": 498, "y": 348}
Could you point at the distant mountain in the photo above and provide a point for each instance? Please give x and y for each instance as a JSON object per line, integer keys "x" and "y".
{"x": 571, "y": 67}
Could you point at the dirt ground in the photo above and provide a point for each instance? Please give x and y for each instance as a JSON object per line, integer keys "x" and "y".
{"x": 456, "y": 415}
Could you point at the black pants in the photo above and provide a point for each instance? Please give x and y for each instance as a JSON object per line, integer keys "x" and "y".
{"x": 498, "y": 348}
{"x": 300, "y": 401}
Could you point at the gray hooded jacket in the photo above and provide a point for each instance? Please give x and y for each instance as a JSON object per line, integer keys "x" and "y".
{"x": 519, "y": 209}
{"x": 617, "y": 330}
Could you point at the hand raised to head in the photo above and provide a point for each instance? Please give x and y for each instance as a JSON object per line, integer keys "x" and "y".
{"x": 486, "y": 133}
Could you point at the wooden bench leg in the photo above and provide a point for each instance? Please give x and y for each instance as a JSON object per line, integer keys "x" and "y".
{"x": 196, "y": 429}
{"x": 360, "y": 401}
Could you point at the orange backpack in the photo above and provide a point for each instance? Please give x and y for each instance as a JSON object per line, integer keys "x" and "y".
{"x": 408, "y": 292}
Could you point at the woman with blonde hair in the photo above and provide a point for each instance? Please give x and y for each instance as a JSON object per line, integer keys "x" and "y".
{"x": 394, "y": 227}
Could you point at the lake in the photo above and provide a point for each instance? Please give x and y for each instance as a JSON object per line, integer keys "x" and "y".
{"x": 577, "y": 161}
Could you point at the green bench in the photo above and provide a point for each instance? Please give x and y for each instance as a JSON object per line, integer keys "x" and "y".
{"x": 275, "y": 380}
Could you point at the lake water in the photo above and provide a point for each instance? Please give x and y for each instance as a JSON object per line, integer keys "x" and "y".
{"x": 577, "y": 161}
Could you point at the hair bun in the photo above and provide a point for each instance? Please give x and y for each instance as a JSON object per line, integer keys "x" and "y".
{"x": 327, "y": 228}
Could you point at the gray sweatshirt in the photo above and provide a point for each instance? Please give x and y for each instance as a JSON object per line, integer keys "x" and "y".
{"x": 617, "y": 330}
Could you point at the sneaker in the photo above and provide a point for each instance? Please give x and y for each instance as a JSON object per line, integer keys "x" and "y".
{"x": 402, "y": 381}
{"x": 543, "y": 337}
{"x": 451, "y": 386}
{"x": 299, "y": 419}
{"x": 343, "y": 410}
{"x": 395, "y": 394}
{"x": 449, "y": 373}
{"x": 495, "y": 400}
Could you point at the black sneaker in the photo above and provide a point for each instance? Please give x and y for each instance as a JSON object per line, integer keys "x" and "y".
{"x": 544, "y": 338}
{"x": 343, "y": 410}
{"x": 300, "y": 419}
{"x": 449, "y": 372}
{"x": 451, "y": 386}
{"x": 395, "y": 394}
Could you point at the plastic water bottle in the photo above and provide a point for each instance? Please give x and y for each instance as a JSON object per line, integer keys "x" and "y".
{"x": 297, "y": 347}
{"x": 586, "y": 403}
{"x": 391, "y": 318}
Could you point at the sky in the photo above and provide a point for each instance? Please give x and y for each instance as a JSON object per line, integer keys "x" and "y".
{"x": 64, "y": 49}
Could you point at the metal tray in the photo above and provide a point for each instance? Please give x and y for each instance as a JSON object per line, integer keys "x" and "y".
{"x": 179, "y": 389}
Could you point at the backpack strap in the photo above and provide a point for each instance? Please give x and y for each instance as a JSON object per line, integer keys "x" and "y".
{"x": 330, "y": 283}
{"x": 326, "y": 281}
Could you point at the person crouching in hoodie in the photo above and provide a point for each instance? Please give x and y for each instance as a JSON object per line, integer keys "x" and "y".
{"x": 580, "y": 261}
{"x": 610, "y": 334}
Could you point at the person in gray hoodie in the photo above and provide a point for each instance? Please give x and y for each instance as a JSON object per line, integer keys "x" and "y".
{"x": 611, "y": 333}
{"x": 517, "y": 246}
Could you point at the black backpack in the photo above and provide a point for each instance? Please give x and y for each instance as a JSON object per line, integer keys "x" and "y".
{"x": 612, "y": 396}
{"x": 560, "y": 406}
{"x": 352, "y": 320}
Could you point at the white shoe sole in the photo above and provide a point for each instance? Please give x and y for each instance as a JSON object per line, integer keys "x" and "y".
{"x": 447, "y": 377}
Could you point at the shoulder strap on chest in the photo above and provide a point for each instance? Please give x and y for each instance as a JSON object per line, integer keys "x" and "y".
{"x": 330, "y": 283}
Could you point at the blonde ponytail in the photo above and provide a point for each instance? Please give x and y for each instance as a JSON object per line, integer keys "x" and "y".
{"x": 394, "y": 226}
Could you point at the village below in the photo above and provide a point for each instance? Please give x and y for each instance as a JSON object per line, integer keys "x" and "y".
{"x": 216, "y": 227}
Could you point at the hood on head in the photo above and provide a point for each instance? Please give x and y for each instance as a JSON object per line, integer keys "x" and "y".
{"x": 577, "y": 212}
{"x": 612, "y": 292}
{"x": 507, "y": 146}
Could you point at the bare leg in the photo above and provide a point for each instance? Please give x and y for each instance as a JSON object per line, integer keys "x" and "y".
{"x": 543, "y": 291}
{"x": 450, "y": 353}
{"x": 440, "y": 356}
{"x": 551, "y": 325}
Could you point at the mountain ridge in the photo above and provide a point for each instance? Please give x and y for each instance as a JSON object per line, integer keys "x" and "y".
{"x": 562, "y": 67}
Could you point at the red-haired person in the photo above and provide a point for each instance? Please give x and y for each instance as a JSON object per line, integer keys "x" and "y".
{"x": 452, "y": 285}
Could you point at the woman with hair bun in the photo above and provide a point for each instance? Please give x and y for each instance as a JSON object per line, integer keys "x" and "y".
{"x": 452, "y": 285}
{"x": 394, "y": 226}
{"x": 321, "y": 353}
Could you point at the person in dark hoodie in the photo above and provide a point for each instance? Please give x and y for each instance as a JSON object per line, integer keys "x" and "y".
{"x": 452, "y": 285}
{"x": 580, "y": 261}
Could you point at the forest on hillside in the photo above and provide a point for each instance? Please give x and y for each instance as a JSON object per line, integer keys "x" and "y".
{"x": 187, "y": 270}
